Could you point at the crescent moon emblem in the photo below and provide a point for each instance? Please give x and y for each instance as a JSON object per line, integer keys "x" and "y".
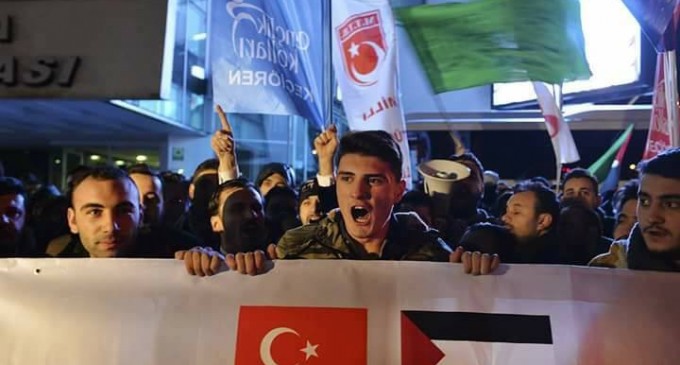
{"x": 371, "y": 77}
{"x": 266, "y": 344}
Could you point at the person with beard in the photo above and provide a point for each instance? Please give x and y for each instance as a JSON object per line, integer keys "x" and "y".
{"x": 105, "y": 216}
{"x": 531, "y": 216}
{"x": 464, "y": 200}
{"x": 16, "y": 239}
{"x": 150, "y": 189}
{"x": 654, "y": 242}
{"x": 369, "y": 184}
{"x": 237, "y": 215}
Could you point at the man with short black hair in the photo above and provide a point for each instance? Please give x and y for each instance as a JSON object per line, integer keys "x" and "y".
{"x": 581, "y": 184}
{"x": 105, "y": 213}
{"x": 16, "y": 240}
{"x": 369, "y": 184}
{"x": 654, "y": 243}
{"x": 150, "y": 189}
{"x": 532, "y": 215}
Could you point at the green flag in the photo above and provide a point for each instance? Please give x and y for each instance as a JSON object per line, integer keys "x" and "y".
{"x": 462, "y": 45}
{"x": 601, "y": 167}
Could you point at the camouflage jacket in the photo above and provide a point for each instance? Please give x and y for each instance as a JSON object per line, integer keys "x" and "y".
{"x": 408, "y": 239}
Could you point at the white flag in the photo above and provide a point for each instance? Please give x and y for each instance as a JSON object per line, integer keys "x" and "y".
{"x": 365, "y": 63}
{"x": 558, "y": 129}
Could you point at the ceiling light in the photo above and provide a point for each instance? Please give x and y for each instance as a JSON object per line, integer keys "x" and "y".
{"x": 120, "y": 162}
{"x": 198, "y": 72}
{"x": 141, "y": 158}
{"x": 199, "y": 36}
{"x": 95, "y": 157}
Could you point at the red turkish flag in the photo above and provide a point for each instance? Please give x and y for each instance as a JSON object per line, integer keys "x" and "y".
{"x": 301, "y": 335}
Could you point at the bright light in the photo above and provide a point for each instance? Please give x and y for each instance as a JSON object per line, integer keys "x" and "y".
{"x": 180, "y": 171}
{"x": 613, "y": 53}
{"x": 57, "y": 162}
{"x": 120, "y": 162}
{"x": 141, "y": 158}
{"x": 199, "y": 37}
{"x": 198, "y": 72}
{"x": 95, "y": 157}
{"x": 314, "y": 152}
{"x": 632, "y": 166}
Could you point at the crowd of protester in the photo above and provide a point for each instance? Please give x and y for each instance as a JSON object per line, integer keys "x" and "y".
{"x": 356, "y": 207}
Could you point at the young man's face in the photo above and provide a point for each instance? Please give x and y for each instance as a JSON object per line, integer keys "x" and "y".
{"x": 12, "y": 218}
{"x": 272, "y": 181}
{"x": 310, "y": 209}
{"x": 659, "y": 213}
{"x": 241, "y": 221}
{"x": 367, "y": 191}
{"x": 106, "y": 215}
{"x": 151, "y": 196}
{"x": 582, "y": 188}
{"x": 521, "y": 218}
{"x": 625, "y": 219}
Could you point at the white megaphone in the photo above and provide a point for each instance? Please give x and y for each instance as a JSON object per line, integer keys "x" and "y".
{"x": 439, "y": 175}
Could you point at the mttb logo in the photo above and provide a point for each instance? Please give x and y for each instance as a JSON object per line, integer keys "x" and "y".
{"x": 363, "y": 47}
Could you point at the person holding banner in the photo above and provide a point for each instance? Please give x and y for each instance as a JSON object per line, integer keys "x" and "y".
{"x": 369, "y": 185}
{"x": 531, "y": 216}
{"x": 105, "y": 213}
{"x": 654, "y": 243}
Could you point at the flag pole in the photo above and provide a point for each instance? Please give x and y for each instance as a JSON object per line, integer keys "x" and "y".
{"x": 559, "y": 101}
{"x": 671, "y": 86}
{"x": 328, "y": 65}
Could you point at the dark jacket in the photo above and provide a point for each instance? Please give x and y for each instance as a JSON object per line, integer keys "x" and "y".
{"x": 408, "y": 239}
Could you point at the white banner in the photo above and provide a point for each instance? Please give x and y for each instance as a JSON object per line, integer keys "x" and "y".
{"x": 365, "y": 63}
{"x": 121, "y": 312}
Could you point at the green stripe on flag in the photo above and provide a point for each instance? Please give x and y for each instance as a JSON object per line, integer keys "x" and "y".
{"x": 601, "y": 167}
{"x": 462, "y": 45}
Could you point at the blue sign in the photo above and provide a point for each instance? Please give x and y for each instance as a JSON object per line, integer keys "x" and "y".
{"x": 268, "y": 57}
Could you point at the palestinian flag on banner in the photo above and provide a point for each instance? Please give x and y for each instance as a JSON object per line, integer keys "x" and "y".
{"x": 431, "y": 338}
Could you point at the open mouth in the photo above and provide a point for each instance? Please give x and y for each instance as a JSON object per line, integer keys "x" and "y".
{"x": 360, "y": 214}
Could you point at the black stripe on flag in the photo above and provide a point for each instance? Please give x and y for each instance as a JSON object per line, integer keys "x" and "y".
{"x": 483, "y": 327}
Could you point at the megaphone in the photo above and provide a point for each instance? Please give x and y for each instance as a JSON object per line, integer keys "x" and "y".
{"x": 440, "y": 174}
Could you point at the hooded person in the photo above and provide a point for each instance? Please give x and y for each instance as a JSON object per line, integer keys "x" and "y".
{"x": 274, "y": 174}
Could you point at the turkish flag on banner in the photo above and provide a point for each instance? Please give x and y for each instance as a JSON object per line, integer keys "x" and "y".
{"x": 301, "y": 335}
